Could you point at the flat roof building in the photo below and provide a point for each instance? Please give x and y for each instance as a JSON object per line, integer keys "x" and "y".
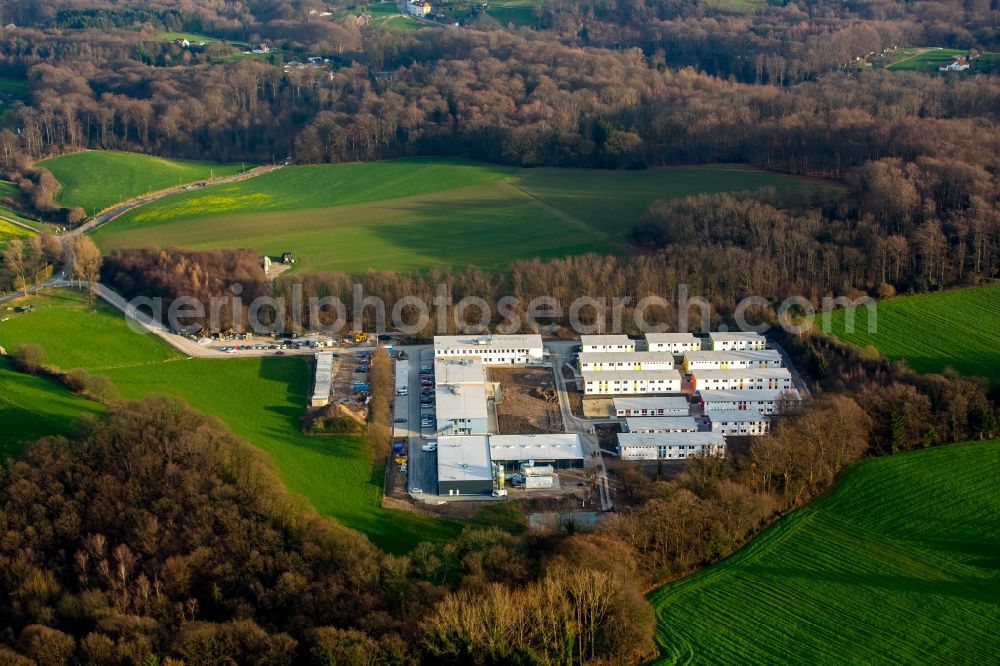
{"x": 463, "y": 465}
{"x": 606, "y": 343}
{"x": 519, "y": 349}
{"x": 559, "y": 450}
{"x": 731, "y": 360}
{"x": 631, "y": 382}
{"x": 736, "y": 341}
{"x": 600, "y": 361}
{"x": 745, "y": 378}
{"x": 669, "y": 445}
{"x": 461, "y": 409}
{"x": 661, "y": 424}
{"x": 763, "y": 400}
{"x": 651, "y": 406}
{"x": 739, "y": 422}
{"x": 322, "y": 380}
{"x": 674, "y": 343}
{"x": 459, "y": 371}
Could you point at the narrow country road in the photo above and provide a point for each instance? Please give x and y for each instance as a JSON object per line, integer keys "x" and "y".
{"x": 124, "y": 207}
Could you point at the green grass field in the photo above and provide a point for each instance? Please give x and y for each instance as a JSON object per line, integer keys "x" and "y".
{"x": 899, "y": 564}
{"x": 32, "y": 407}
{"x": 416, "y": 213}
{"x": 929, "y": 59}
{"x": 97, "y": 179}
{"x": 951, "y": 329}
{"x": 260, "y": 399}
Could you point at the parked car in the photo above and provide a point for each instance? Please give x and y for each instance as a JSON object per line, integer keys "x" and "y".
{"x": 429, "y": 446}
{"x": 400, "y": 420}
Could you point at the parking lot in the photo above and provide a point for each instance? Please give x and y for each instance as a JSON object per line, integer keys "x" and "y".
{"x": 407, "y": 416}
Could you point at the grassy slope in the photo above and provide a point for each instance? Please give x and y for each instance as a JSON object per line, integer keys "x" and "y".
{"x": 898, "y": 565}
{"x": 31, "y": 407}
{"x": 416, "y": 213}
{"x": 261, "y": 399}
{"x": 614, "y": 201}
{"x": 97, "y": 179}
{"x": 931, "y": 332}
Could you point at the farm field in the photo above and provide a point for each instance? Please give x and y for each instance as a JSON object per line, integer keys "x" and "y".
{"x": 95, "y": 179}
{"x": 9, "y": 231}
{"x": 949, "y": 329}
{"x": 614, "y": 201}
{"x": 929, "y": 59}
{"x": 898, "y": 564}
{"x": 417, "y": 213}
{"x": 260, "y": 399}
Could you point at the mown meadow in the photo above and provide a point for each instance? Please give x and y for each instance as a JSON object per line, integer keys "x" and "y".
{"x": 898, "y": 564}
{"x": 260, "y": 399}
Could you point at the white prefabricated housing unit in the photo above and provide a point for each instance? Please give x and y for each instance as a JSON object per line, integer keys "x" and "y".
{"x": 631, "y": 382}
{"x": 658, "y": 406}
{"x": 600, "y": 361}
{"x": 558, "y": 450}
{"x": 459, "y": 371}
{"x": 591, "y": 344}
{"x": 732, "y": 360}
{"x": 673, "y": 343}
{"x": 661, "y": 424}
{"x": 463, "y": 466}
{"x": 322, "y": 379}
{"x": 738, "y": 422}
{"x": 737, "y": 341}
{"x": 402, "y": 377}
{"x": 763, "y": 401}
{"x": 748, "y": 378}
{"x": 669, "y": 445}
{"x": 462, "y": 409}
{"x": 520, "y": 349}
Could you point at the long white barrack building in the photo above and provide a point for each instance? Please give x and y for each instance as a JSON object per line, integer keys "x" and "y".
{"x": 519, "y": 349}
{"x": 670, "y": 445}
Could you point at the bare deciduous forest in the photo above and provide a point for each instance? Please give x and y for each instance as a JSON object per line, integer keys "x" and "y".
{"x": 156, "y": 536}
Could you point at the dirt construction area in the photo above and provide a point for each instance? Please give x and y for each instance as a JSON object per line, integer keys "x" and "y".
{"x": 528, "y": 401}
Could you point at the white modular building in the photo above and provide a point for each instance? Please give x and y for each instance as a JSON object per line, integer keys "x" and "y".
{"x": 748, "y": 378}
{"x": 739, "y": 422}
{"x": 600, "y": 361}
{"x": 462, "y": 409}
{"x": 731, "y": 360}
{"x": 402, "y": 377}
{"x": 463, "y": 465}
{"x": 673, "y": 343}
{"x": 670, "y": 445}
{"x": 611, "y": 382}
{"x": 459, "y": 371}
{"x": 653, "y": 406}
{"x": 558, "y": 450}
{"x": 595, "y": 344}
{"x": 763, "y": 401}
{"x": 322, "y": 380}
{"x": 520, "y": 349}
{"x": 737, "y": 341}
{"x": 661, "y": 424}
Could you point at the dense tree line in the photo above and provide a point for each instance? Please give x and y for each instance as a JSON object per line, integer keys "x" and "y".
{"x": 156, "y": 535}
{"x": 520, "y": 98}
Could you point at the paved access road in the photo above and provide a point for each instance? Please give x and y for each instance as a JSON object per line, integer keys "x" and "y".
{"x": 124, "y": 207}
